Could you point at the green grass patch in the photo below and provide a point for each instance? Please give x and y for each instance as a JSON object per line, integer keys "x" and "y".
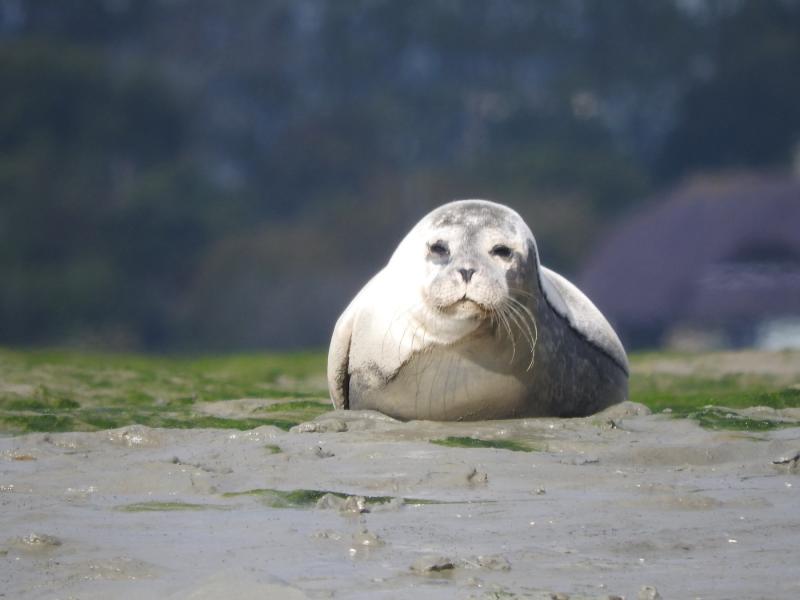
{"x": 718, "y": 417}
{"x": 785, "y": 398}
{"x": 72, "y": 391}
{"x": 297, "y": 410}
{"x": 297, "y": 405}
{"x": 33, "y": 423}
{"x": 97, "y": 419}
{"x": 690, "y": 392}
{"x": 471, "y": 442}
{"x": 20, "y": 404}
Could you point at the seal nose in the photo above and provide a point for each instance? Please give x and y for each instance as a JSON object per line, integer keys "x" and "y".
{"x": 466, "y": 274}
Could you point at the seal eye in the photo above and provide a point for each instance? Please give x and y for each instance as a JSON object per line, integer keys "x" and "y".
{"x": 439, "y": 249}
{"x": 501, "y": 251}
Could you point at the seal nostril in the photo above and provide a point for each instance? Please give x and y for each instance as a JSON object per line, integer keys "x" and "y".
{"x": 466, "y": 274}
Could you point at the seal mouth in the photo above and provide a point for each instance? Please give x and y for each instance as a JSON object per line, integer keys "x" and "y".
{"x": 465, "y": 307}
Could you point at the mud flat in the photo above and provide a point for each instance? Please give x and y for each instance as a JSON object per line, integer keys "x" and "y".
{"x": 623, "y": 504}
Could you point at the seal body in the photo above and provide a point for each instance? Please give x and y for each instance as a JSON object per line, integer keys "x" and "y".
{"x": 464, "y": 323}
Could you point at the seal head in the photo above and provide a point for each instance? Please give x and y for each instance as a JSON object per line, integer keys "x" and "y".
{"x": 461, "y": 265}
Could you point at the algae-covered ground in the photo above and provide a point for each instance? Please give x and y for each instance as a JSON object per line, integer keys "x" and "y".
{"x": 64, "y": 391}
{"x": 68, "y": 391}
{"x": 162, "y": 477}
{"x": 746, "y": 390}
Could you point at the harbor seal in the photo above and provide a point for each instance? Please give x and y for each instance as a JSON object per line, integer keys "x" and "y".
{"x": 464, "y": 323}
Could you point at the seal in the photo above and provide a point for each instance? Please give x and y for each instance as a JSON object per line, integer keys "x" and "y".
{"x": 464, "y": 323}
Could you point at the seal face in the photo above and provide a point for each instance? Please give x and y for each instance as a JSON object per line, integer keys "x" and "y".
{"x": 463, "y": 323}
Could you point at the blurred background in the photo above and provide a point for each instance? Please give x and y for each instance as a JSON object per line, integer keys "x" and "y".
{"x": 207, "y": 176}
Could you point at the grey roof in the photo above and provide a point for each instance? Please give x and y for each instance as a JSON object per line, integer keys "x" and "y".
{"x": 715, "y": 249}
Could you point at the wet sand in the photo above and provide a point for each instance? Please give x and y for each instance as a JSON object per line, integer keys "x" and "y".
{"x": 600, "y": 508}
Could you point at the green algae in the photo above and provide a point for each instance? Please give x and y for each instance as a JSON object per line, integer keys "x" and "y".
{"x": 97, "y": 419}
{"x": 308, "y": 498}
{"x": 70, "y": 391}
{"x": 297, "y": 411}
{"x": 168, "y": 506}
{"x": 719, "y": 417}
{"x": 296, "y": 405}
{"x": 712, "y": 400}
{"x": 471, "y": 442}
{"x": 286, "y": 499}
{"x": 28, "y": 423}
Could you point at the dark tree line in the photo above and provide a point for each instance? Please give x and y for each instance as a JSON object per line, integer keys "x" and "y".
{"x": 224, "y": 175}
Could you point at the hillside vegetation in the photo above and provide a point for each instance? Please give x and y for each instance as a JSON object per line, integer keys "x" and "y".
{"x": 225, "y": 175}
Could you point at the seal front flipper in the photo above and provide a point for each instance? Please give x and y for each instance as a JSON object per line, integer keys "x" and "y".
{"x": 339, "y": 360}
{"x": 583, "y": 316}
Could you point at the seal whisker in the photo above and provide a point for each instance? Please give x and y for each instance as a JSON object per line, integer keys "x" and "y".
{"x": 513, "y": 291}
{"x": 505, "y": 319}
{"x": 530, "y": 325}
{"x": 533, "y": 333}
{"x": 521, "y": 322}
{"x": 508, "y": 318}
{"x": 494, "y": 322}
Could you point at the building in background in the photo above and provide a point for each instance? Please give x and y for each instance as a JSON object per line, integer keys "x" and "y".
{"x": 713, "y": 263}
